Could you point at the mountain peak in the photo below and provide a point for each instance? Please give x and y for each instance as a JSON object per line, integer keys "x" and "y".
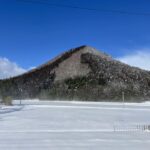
{"x": 92, "y": 50}
{"x": 78, "y": 50}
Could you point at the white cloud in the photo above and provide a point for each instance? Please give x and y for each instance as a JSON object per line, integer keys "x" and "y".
{"x": 9, "y": 69}
{"x": 139, "y": 59}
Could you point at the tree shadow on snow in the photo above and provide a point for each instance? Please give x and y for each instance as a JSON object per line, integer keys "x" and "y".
{"x": 10, "y": 109}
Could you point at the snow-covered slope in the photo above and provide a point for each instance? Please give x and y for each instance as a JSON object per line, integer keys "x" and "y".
{"x": 75, "y": 126}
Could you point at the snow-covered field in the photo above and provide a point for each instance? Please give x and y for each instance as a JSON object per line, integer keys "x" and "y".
{"x": 75, "y": 126}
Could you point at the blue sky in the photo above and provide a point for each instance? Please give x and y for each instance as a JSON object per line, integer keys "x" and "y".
{"x": 32, "y": 33}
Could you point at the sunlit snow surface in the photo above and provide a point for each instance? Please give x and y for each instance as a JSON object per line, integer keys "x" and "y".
{"x": 74, "y": 126}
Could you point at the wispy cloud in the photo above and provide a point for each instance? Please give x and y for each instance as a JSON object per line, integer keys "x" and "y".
{"x": 140, "y": 58}
{"x": 9, "y": 69}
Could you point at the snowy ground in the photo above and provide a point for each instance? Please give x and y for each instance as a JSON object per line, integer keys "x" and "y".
{"x": 74, "y": 126}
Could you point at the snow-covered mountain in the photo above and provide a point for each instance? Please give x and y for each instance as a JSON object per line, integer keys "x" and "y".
{"x": 82, "y": 73}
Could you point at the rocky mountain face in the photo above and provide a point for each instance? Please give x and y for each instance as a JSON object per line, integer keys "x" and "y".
{"x": 82, "y": 73}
